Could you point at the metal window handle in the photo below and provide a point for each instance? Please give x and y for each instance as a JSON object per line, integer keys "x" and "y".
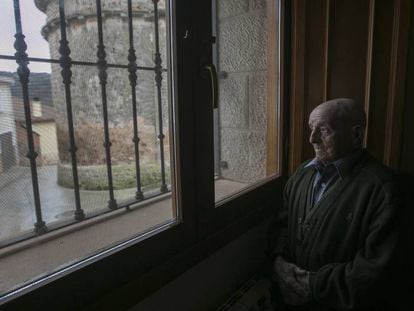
{"x": 214, "y": 84}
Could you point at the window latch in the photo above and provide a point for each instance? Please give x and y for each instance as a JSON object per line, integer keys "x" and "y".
{"x": 214, "y": 84}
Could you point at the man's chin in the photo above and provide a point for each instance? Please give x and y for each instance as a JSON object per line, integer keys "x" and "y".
{"x": 319, "y": 154}
{"x": 322, "y": 157}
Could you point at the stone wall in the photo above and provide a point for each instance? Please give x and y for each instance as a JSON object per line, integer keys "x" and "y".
{"x": 242, "y": 55}
{"x": 86, "y": 88}
{"x": 82, "y": 34}
{"x": 91, "y": 151}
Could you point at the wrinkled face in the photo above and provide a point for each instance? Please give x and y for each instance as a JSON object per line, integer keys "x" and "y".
{"x": 330, "y": 139}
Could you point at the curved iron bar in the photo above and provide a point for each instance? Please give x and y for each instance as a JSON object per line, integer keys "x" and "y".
{"x": 132, "y": 68}
{"x": 66, "y": 64}
{"x": 103, "y": 79}
{"x": 23, "y": 73}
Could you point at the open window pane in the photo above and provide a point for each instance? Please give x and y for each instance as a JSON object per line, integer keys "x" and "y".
{"x": 246, "y": 121}
{"x": 87, "y": 155}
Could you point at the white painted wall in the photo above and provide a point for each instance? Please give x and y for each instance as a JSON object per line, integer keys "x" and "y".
{"x": 48, "y": 141}
{"x": 6, "y": 109}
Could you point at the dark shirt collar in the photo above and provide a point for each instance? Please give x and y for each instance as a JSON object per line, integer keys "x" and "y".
{"x": 343, "y": 165}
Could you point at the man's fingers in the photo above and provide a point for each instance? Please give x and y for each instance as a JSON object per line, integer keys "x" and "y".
{"x": 302, "y": 276}
{"x": 299, "y": 271}
{"x": 299, "y": 289}
{"x": 293, "y": 282}
{"x": 292, "y": 277}
{"x": 291, "y": 297}
{"x": 296, "y": 286}
{"x": 289, "y": 280}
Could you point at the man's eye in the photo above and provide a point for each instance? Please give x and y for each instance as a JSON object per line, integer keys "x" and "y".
{"x": 324, "y": 129}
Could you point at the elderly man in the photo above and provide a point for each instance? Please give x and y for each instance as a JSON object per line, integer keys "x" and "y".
{"x": 334, "y": 242}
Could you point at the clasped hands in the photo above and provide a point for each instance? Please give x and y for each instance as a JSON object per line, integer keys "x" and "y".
{"x": 293, "y": 282}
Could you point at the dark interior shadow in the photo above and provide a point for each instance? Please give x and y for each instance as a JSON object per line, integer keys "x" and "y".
{"x": 402, "y": 281}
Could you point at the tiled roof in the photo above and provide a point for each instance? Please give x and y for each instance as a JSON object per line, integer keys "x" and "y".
{"x": 39, "y": 86}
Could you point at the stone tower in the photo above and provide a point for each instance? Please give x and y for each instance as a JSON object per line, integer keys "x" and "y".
{"x": 82, "y": 34}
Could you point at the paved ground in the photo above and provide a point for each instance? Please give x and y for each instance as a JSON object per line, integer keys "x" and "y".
{"x": 17, "y": 212}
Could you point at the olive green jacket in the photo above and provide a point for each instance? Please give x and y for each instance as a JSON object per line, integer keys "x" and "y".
{"x": 347, "y": 240}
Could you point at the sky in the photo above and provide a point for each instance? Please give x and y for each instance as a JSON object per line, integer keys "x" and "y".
{"x": 32, "y": 21}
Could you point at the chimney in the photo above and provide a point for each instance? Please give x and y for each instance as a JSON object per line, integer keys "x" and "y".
{"x": 36, "y": 107}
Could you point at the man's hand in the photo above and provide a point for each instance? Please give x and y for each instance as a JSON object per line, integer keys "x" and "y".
{"x": 302, "y": 276}
{"x": 293, "y": 282}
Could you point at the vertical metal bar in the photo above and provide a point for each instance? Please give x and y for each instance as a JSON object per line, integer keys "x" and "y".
{"x": 24, "y": 72}
{"x": 66, "y": 64}
{"x": 158, "y": 80}
{"x": 132, "y": 68}
{"x": 103, "y": 76}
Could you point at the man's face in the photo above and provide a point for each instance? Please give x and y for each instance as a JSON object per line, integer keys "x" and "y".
{"x": 331, "y": 139}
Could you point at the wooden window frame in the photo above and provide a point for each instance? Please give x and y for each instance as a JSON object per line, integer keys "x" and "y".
{"x": 123, "y": 278}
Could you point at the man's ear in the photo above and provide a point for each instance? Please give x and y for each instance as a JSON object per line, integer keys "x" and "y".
{"x": 358, "y": 133}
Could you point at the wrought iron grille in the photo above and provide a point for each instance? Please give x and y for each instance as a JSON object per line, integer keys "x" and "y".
{"x": 102, "y": 65}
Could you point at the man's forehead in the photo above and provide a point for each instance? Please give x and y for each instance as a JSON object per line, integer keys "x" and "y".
{"x": 321, "y": 114}
{"x": 335, "y": 110}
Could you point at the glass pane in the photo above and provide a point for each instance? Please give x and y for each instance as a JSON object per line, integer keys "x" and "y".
{"x": 245, "y": 121}
{"x": 7, "y": 30}
{"x": 37, "y": 46}
{"x": 124, "y": 183}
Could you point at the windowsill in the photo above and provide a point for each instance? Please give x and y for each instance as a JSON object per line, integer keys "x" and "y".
{"x": 39, "y": 256}
{"x": 26, "y": 261}
{"x": 224, "y": 188}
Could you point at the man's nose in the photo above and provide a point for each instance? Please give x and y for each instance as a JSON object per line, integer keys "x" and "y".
{"x": 314, "y": 137}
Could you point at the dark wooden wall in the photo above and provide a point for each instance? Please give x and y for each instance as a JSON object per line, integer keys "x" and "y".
{"x": 407, "y": 153}
{"x": 358, "y": 49}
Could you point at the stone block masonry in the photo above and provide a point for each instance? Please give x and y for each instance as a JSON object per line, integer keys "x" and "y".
{"x": 242, "y": 54}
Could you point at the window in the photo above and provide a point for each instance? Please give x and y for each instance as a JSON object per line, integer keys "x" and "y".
{"x": 95, "y": 126}
{"x": 246, "y": 118}
{"x": 128, "y": 134}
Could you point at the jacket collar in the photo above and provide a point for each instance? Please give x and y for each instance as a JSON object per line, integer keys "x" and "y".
{"x": 343, "y": 165}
